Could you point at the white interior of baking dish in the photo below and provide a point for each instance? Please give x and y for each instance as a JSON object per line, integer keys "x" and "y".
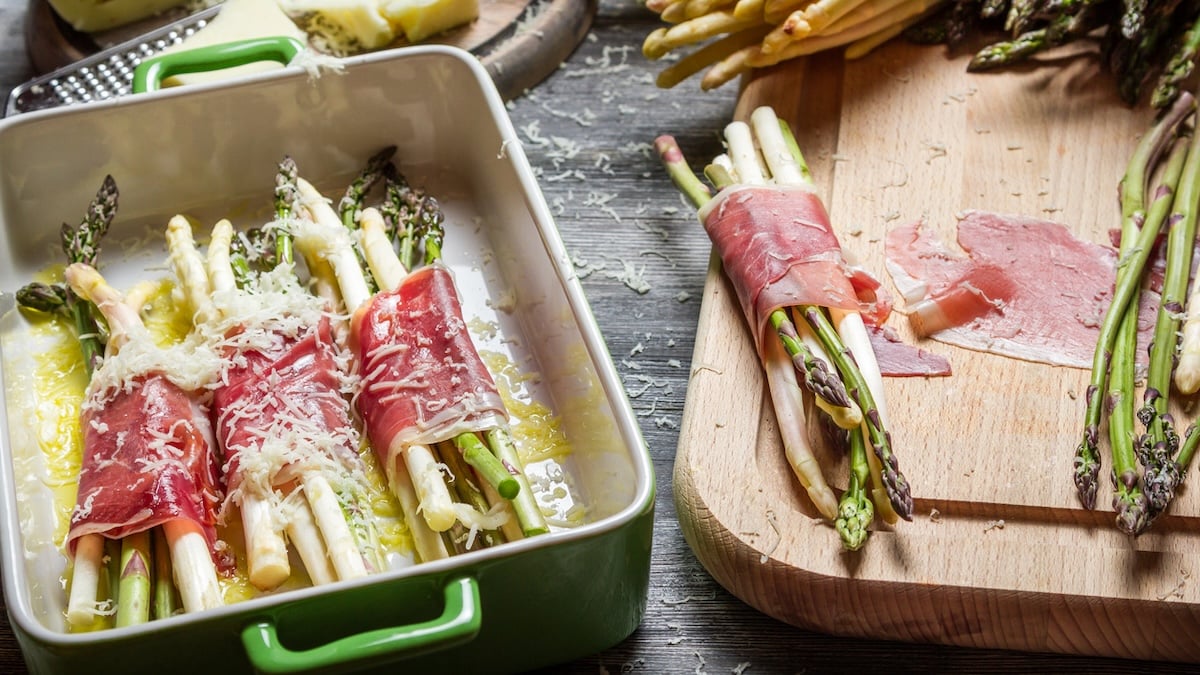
{"x": 210, "y": 151}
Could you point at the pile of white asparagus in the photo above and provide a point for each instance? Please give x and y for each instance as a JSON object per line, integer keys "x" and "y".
{"x": 730, "y": 37}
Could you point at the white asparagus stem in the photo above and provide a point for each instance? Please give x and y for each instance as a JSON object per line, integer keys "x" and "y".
{"x": 189, "y": 268}
{"x": 437, "y": 507}
{"x": 1187, "y": 372}
{"x": 267, "y": 563}
{"x": 325, "y": 238}
{"x": 781, "y": 164}
{"x": 846, "y": 31}
{"x": 331, "y": 521}
{"x": 895, "y": 23}
{"x": 429, "y": 544}
{"x": 385, "y": 266}
{"x": 85, "y": 579}
{"x": 195, "y": 575}
{"x": 850, "y": 326}
{"x": 216, "y": 263}
{"x": 747, "y": 166}
{"x": 306, "y": 538}
{"x": 789, "y": 412}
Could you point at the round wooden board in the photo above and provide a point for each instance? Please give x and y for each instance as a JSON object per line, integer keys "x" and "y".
{"x": 516, "y": 59}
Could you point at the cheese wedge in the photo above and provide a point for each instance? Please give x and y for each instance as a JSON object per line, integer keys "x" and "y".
{"x": 420, "y": 19}
{"x": 237, "y": 20}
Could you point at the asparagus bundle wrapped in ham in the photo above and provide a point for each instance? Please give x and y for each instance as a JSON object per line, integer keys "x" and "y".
{"x": 281, "y": 411}
{"x": 797, "y": 292}
{"x": 428, "y": 403}
{"x": 147, "y": 455}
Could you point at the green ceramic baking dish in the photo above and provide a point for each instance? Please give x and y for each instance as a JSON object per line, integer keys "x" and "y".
{"x": 209, "y": 151}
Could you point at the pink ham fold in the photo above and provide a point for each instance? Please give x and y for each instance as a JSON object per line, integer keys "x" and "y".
{"x": 294, "y": 389}
{"x": 422, "y": 379}
{"x": 148, "y": 458}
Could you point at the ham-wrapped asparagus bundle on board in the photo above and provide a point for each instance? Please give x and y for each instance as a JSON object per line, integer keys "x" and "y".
{"x": 813, "y": 316}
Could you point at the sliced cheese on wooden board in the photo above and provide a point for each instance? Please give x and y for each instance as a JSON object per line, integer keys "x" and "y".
{"x": 999, "y": 554}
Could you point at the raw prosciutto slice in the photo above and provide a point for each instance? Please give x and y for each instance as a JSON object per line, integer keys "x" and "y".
{"x": 148, "y": 458}
{"x": 1023, "y": 287}
{"x": 778, "y": 249}
{"x": 422, "y": 380}
{"x": 282, "y": 399}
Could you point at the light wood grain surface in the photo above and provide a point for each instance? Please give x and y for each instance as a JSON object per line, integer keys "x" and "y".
{"x": 587, "y": 130}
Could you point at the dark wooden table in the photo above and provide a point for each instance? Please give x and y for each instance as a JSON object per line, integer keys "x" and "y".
{"x": 616, "y": 207}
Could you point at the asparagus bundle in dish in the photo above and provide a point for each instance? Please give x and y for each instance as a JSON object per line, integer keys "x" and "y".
{"x": 148, "y": 460}
{"x": 779, "y": 249}
{"x": 279, "y": 407}
{"x": 180, "y": 492}
{"x": 427, "y": 401}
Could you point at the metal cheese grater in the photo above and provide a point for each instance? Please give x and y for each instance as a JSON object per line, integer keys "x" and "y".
{"x": 104, "y": 75}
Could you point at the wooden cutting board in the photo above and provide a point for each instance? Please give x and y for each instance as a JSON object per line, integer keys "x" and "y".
{"x": 999, "y": 554}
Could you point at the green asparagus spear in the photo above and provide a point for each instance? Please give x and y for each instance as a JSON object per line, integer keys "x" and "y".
{"x": 1139, "y": 228}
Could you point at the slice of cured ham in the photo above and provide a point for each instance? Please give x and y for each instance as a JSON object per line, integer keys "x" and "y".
{"x": 1023, "y": 287}
{"x": 778, "y": 249}
{"x": 286, "y": 402}
{"x": 148, "y": 458}
{"x": 422, "y": 380}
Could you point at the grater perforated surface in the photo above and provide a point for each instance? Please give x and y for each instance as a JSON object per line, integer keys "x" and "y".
{"x": 104, "y": 75}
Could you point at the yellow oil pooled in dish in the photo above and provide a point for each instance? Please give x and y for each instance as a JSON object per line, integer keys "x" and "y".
{"x": 535, "y": 429}
{"x": 58, "y": 383}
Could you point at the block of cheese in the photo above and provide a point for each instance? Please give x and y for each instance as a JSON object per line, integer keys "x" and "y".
{"x": 341, "y": 27}
{"x": 420, "y": 19}
{"x": 90, "y": 16}
{"x": 237, "y": 20}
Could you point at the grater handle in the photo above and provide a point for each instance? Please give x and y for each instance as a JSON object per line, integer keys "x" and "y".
{"x": 149, "y": 74}
{"x": 459, "y": 622}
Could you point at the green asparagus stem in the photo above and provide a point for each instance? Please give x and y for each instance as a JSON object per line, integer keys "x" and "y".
{"x": 855, "y": 511}
{"x": 1139, "y": 228}
{"x": 466, "y": 489}
{"x": 1161, "y": 470}
{"x": 894, "y": 481}
{"x": 285, "y": 199}
{"x": 490, "y": 468}
{"x": 166, "y": 596}
{"x": 133, "y": 606}
{"x": 1023, "y": 46}
{"x": 1129, "y": 502}
{"x": 529, "y": 514}
{"x": 1179, "y": 68}
{"x": 352, "y": 201}
{"x": 815, "y": 374}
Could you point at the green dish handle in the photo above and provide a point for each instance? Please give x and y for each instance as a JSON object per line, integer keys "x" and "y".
{"x": 459, "y": 622}
{"x": 149, "y": 74}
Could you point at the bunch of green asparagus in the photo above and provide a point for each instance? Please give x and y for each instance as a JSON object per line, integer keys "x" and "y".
{"x": 1168, "y": 157}
{"x": 1140, "y": 41}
